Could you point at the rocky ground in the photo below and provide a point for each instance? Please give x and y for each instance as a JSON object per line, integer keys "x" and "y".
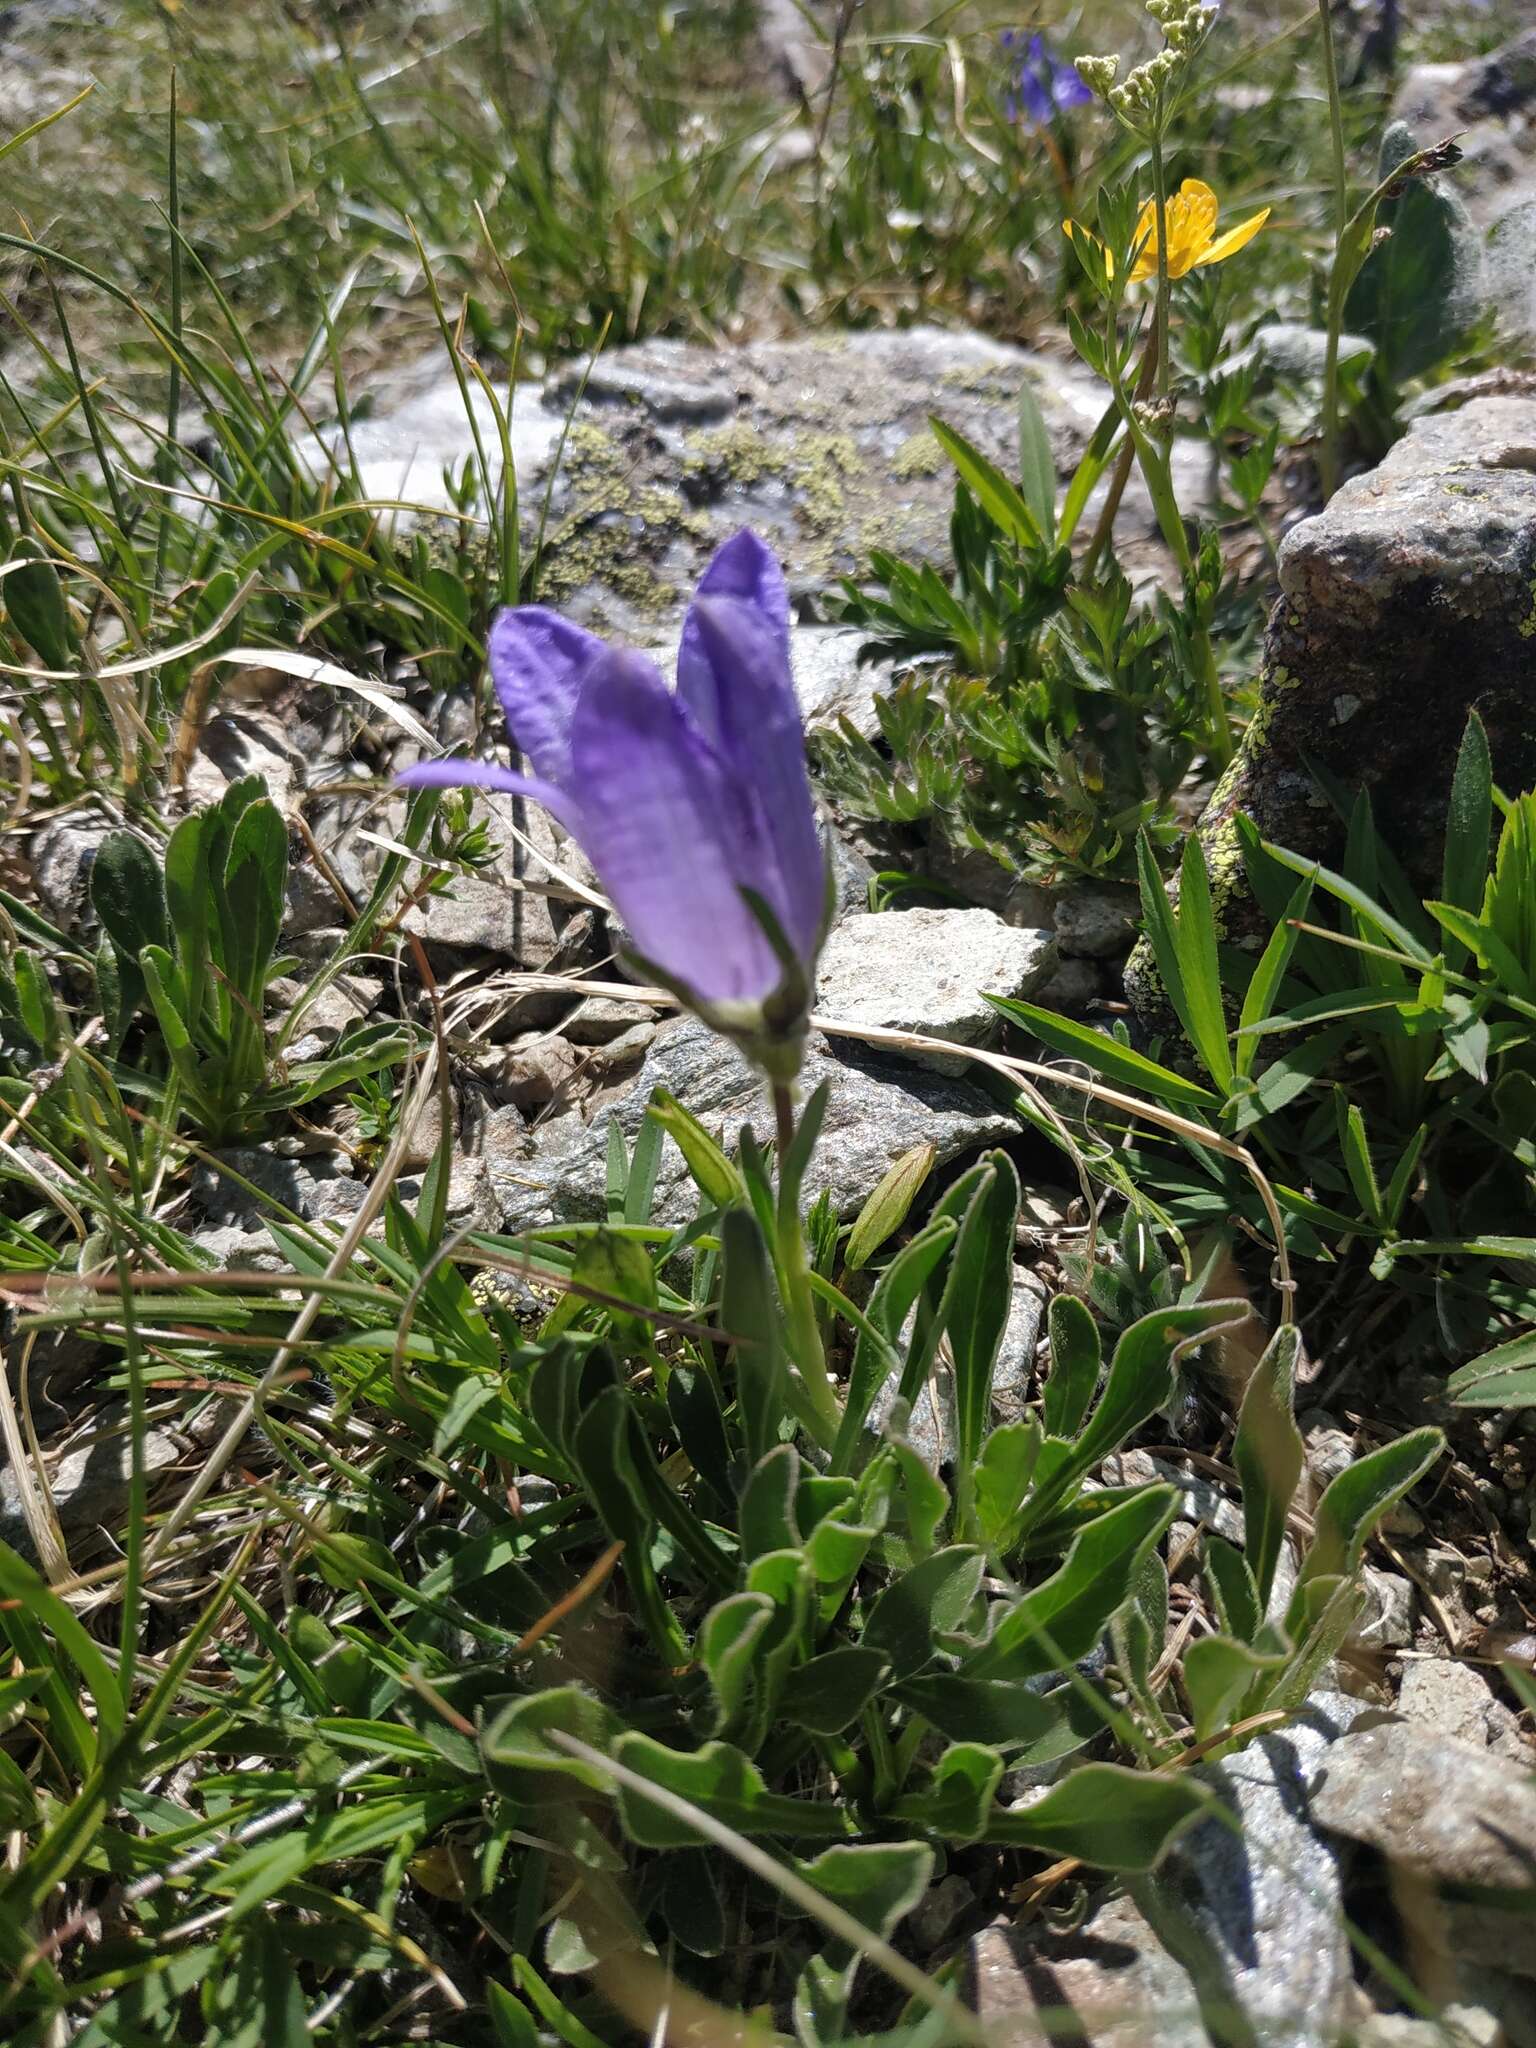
{"x": 1404, "y": 1802}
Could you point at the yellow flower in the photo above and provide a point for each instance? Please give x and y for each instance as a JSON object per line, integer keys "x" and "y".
{"x": 1192, "y": 238}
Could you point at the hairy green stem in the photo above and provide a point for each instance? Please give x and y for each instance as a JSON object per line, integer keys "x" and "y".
{"x": 1160, "y": 199}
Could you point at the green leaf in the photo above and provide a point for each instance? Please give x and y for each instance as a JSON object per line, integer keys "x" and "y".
{"x": 1268, "y": 1453}
{"x": 1233, "y": 1591}
{"x": 828, "y": 1692}
{"x": 959, "y": 1795}
{"x": 1037, "y": 464}
{"x": 511, "y": 2022}
{"x": 515, "y": 1746}
{"x": 878, "y": 1883}
{"x": 718, "y": 1180}
{"x": 749, "y": 1313}
{"x": 1003, "y": 1713}
{"x": 1107, "y": 1815}
{"x": 1076, "y": 1361}
{"x": 977, "y": 1298}
{"x": 1003, "y": 1473}
{"x": 1158, "y": 921}
{"x": 1416, "y": 294}
{"x": 1355, "y": 1502}
{"x": 1107, "y": 1056}
{"x": 1199, "y": 971}
{"x": 930, "y": 1600}
{"x": 998, "y": 498}
{"x": 128, "y": 895}
{"x": 733, "y": 1636}
{"x": 250, "y": 897}
{"x": 767, "y": 1520}
{"x": 1218, "y": 1674}
{"x": 257, "y": 2003}
{"x": 1359, "y": 900}
{"x": 618, "y": 1267}
{"x": 34, "y": 603}
{"x": 1141, "y": 1374}
{"x": 1468, "y": 826}
{"x": 886, "y": 1210}
{"x": 720, "y": 1781}
{"x": 1264, "y": 985}
{"x": 1058, "y": 1622}
{"x": 189, "y": 902}
{"x": 1504, "y": 1377}
{"x": 875, "y": 1356}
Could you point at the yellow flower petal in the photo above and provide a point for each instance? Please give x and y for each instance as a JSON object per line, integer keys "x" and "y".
{"x": 1145, "y": 243}
{"x": 1234, "y": 239}
{"x": 1191, "y": 216}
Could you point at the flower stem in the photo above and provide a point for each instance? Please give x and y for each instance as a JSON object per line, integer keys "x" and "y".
{"x": 809, "y": 1357}
{"x": 1328, "y": 462}
{"x": 1160, "y": 198}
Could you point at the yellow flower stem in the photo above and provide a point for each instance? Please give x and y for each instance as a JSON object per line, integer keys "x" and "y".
{"x": 1160, "y": 197}
{"x": 1329, "y": 459}
{"x": 1104, "y": 530}
{"x": 1158, "y": 475}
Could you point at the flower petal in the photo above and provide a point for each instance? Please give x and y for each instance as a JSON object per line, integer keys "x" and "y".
{"x": 538, "y": 662}
{"x": 755, "y": 728}
{"x": 1144, "y": 264}
{"x": 1234, "y": 239}
{"x": 458, "y": 774}
{"x": 664, "y": 825}
{"x": 744, "y": 568}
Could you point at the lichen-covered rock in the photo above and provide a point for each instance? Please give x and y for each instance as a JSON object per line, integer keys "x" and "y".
{"x": 1408, "y": 602}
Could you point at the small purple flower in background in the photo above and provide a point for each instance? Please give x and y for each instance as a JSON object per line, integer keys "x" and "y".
{"x": 693, "y": 806}
{"x": 1041, "y": 86}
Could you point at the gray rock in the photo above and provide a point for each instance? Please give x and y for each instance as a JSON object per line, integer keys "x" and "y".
{"x": 929, "y": 971}
{"x": 601, "y": 1019}
{"x": 879, "y": 1109}
{"x": 821, "y": 444}
{"x": 1294, "y": 353}
{"x": 981, "y": 879}
{"x": 1255, "y": 1915}
{"x": 414, "y": 426}
{"x": 1094, "y": 920}
{"x": 1441, "y": 1809}
{"x": 668, "y": 382}
{"x": 830, "y": 681}
{"x": 1406, "y": 603}
{"x": 937, "y": 1910}
{"x": 88, "y": 1485}
{"x": 1111, "y": 1984}
{"x": 1386, "y": 1620}
{"x": 1073, "y": 988}
{"x": 317, "y": 1189}
{"x": 851, "y": 877}
{"x": 1489, "y": 105}
{"x": 239, "y": 743}
{"x": 61, "y": 858}
{"x": 1489, "y": 2001}
{"x": 1457, "y": 1701}
{"x": 1015, "y": 1365}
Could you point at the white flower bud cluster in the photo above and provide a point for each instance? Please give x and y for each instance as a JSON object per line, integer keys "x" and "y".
{"x": 1098, "y": 73}
{"x": 1185, "y": 23}
{"x": 1137, "y": 101}
{"x": 1140, "y": 100}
